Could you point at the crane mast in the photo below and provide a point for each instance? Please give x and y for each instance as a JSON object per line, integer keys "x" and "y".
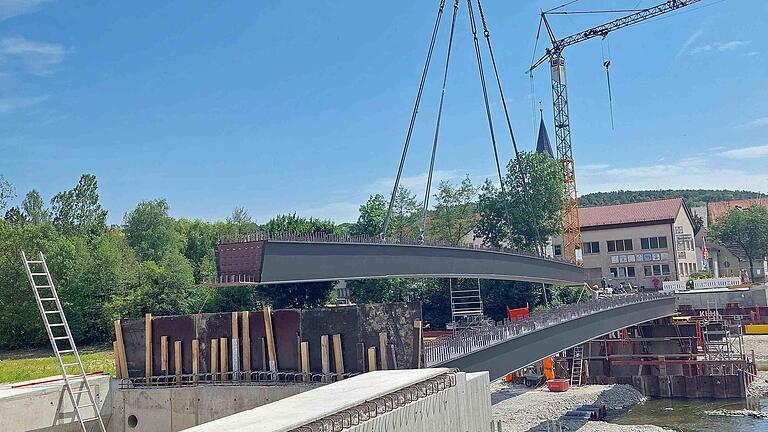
{"x": 571, "y": 227}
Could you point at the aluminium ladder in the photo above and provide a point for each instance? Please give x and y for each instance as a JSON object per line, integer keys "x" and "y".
{"x": 61, "y": 340}
{"x": 577, "y": 366}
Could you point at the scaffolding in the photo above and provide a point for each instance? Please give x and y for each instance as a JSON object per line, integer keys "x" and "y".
{"x": 723, "y": 342}
{"x": 466, "y": 307}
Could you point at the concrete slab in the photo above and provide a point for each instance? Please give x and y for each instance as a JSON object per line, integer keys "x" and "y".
{"x": 49, "y": 402}
{"x": 298, "y": 410}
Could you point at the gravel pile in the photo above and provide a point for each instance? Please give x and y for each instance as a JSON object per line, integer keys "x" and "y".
{"x": 620, "y": 397}
{"x": 759, "y": 386}
{"x": 521, "y": 409}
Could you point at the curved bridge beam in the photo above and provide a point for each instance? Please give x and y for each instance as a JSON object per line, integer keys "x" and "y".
{"x": 277, "y": 262}
{"x": 519, "y": 352}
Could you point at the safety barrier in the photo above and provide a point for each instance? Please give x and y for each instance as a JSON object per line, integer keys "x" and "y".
{"x": 443, "y": 350}
{"x": 366, "y": 239}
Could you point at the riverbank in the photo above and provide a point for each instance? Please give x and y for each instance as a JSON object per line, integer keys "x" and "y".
{"x": 522, "y": 409}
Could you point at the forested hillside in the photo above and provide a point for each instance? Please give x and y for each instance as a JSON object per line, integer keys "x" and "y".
{"x": 692, "y": 197}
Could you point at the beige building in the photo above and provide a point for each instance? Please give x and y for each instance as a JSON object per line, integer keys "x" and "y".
{"x": 640, "y": 243}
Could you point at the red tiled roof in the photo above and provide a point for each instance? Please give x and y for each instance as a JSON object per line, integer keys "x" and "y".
{"x": 650, "y": 211}
{"x": 716, "y": 209}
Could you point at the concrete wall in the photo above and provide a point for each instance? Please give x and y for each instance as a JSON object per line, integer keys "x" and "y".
{"x": 47, "y": 407}
{"x": 461, "y": 403}
{"x": 357, "y": 324}
{"x": 175, "y": 409}
{"x": 466, "y": 407}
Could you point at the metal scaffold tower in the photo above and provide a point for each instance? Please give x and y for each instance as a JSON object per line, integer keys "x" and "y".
{"x": 466, "y": 307}
{"x": 73, "y": 372}
{"x": 723, "y": 342}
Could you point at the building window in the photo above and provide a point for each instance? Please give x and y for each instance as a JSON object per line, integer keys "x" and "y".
{"x": 591, "y": 247}
{"x": 653, "y": 243}
{"x": 622, "y": 272}
{"x": 558, "y": 249}
{"x": 682, "y": 269}
{"x": 656, "y": 270}
{"x": 619, "y": 245}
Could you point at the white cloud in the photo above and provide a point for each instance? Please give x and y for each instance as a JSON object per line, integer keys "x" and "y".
{"x": 751, "y": 54}
{"x": 39, "y": 57}
{"x": 720, "y": 46}
{"x": 756, "y": 123}
{"x": 691, "y": 39}
{"x": 11, "y": 105}
{"x": 691, "y": 173}
{"x": 12, "y": 8}
{"x": 747, "y": 152}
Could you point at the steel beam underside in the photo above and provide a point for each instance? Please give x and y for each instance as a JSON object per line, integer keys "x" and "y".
{"x": 520, "y": 352}
{"x": 290, "y": 262}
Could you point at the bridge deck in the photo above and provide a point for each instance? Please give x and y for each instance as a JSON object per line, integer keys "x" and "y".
{"x": 511, "y": 346}
{"x": 291, "y": 261}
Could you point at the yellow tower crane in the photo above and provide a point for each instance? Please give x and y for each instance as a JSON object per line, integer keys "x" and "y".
{"x": 554, "y": 55}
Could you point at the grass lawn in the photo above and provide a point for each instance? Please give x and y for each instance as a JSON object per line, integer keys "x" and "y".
{"x": 23, "y": 365}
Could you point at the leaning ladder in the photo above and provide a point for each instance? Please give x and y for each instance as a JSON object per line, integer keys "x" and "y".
{"x": 61, "y": 339}
{"x": 578, "y": 364}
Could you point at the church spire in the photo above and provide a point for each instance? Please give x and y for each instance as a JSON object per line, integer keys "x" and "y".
{"x": 542, "y": 143}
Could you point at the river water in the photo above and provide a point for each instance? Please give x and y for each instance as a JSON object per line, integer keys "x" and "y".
{"x": 695, "y": 415}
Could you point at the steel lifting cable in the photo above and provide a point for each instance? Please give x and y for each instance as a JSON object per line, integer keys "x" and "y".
{"x": 437, "y": 126}
{"x": 487, "y": 35}
{"x": 413, "y": 116}
{"x": 485, "y": 93}
{"x": 606, "y": 65}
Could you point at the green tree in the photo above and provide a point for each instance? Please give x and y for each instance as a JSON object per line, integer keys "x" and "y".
{"x": 298, "y": 295}
{"x": 6, "y": 192}
{"x": 527, "y": 213}
{"x": 692, "y": 197}
{"x": 77, "y": 211}
{"x": 698, "y": 223}
{"x": 200, "y": 238}
{"x": 150, "y": 231}
{"x": 745, "y": 228}
{"x": 371, "y": 219}
{"x": 454, "y": 214}
{"x": 433, "y": 294}
{"x": 165, "y": 288}
{"x": 499, "y": 294}
{"x": 34, "y": 208}
{"x": 404, "y": 221}
{"x": 298, "y": 225}
{"x": 15, "y": 216}
{"x": 20, "y": 323}
{"x": 241, "y": 221}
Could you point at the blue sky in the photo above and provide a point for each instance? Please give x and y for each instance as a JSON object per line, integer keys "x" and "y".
{"x": 303, "y": 106}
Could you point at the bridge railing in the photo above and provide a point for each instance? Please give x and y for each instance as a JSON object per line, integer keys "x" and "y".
{"x": 442, "y": 350}
{"x": 366, "y": 239}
